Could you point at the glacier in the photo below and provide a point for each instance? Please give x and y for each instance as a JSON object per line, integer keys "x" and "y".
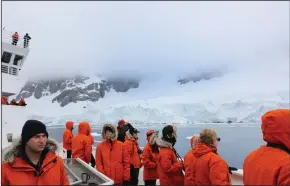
{"x": 186, "y": 108}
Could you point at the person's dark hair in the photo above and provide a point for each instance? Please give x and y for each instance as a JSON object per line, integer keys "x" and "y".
{"x": 168, "y": 134}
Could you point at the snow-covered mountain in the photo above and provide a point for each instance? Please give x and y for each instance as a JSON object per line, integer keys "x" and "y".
{"x": 75, "y": 89}
{"x": 148, "y": 102}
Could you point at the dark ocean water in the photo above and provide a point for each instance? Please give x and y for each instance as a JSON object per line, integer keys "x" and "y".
{"x": 237, "y": 140}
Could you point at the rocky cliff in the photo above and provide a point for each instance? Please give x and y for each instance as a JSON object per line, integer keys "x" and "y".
{"x": 79, "y": 88}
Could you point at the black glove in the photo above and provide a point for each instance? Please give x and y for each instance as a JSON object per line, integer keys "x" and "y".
{"x": 126, "y": 182}
{"x": 232, "y": 169}
{"x": 140, "y": 151}
{"x": 93, "y": 165}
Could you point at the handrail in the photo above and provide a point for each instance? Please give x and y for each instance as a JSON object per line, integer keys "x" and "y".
{"x": 7, "y": 38}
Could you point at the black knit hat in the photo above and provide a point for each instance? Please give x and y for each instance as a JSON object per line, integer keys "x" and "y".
{"x": 167, "y": 131}
{"x": 32, "y": 128}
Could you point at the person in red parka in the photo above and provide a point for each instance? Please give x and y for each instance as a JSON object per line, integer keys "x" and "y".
{"x": 111, "y": 157}
{"x": 270, "y": 163}
{"x": 15, "y": 38}
{"x": 81, "y": 143}
{"x": 187, "y": 158}
{"x": 206, "y": 166}
{"x": 149, "y": 157}
{"x": 4, "y": 100}
{"x": 132, "y": 148}
{"x": 168, "y": 167}
{"x": 32, "y": 159}
{"x": 67, "y": 138}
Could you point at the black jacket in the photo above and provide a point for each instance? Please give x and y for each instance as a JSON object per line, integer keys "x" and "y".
{"x": 122, "y": 132}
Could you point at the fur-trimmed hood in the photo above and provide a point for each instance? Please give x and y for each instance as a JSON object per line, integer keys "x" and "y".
{"x": 153, "y": 138}
{"x": 12, "y": 151}
{"x": 162, "y": 143}
{"x": 114, "y": 129}
{"x": 130, "y": 136}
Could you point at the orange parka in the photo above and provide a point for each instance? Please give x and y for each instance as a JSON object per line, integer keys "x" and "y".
{"x": 17, "y": 171}
{"x": 207, "y": 167}
{"x": 4, "y": 100}
{"x": 15, "y": 36}
{"x": 111, "y": 157}
{"x": 131, "y": 145}
{"x": 81, "y": 143}
{"x": 270, "y": 164}
{"x": 13, "y": 102}
{"x": 150, "y": 158}
{"x": 67, "y": 136}
{"x": 168, "y": 167}
{"x": 21, "y": 102}
{"x": 187, "y": 158}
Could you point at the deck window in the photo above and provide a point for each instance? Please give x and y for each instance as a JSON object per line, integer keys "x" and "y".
{"x": 17, "y": 60}
{"x": 6, "y": 56}
{"x": 4, "y": 69}
{"x": 13, "y": 71}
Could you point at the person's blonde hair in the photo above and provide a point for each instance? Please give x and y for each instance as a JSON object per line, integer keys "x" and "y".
{"x": 207, "y": 136}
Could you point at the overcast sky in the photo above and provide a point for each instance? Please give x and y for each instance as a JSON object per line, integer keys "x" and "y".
{"x": 151, "y": 37}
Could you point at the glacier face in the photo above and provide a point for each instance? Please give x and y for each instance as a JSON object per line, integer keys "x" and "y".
{"x": 181, "y": 110}
{"x": 231, "y": 98}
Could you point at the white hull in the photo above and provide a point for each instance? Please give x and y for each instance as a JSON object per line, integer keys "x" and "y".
{"x": 236, "y": 177}
{"x": 12, "y": 118}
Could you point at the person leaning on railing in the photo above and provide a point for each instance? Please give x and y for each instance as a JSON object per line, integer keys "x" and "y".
{"x": 206, "y": 167}
{"x": 169, "y": 166}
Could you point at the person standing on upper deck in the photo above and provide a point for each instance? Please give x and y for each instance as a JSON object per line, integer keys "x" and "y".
{"x": 15, "y": 38}
{"x": 26, "y": 40}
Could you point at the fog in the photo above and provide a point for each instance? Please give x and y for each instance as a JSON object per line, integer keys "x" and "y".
{"x": 153, "y": 38}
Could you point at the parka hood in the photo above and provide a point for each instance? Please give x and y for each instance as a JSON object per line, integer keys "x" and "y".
{"x": 276, "y": 127}
{"x": 152, "y": 138}
{"x": 201, "y": 149}
{"x": 14, "y": 150}
{"x": 162, "y": 143}
{"x": 114, "y": 129}
{"x": 129, "y": 136}
{"x": 69, "y": 125}
{"x": 84, "y": 128}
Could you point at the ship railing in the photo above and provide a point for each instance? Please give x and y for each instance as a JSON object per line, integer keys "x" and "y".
{"x": 7, "y": 38}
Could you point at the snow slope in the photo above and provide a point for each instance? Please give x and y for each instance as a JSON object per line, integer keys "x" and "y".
{"x": 178, "y": 109}
{"x": 237, "y": 97}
